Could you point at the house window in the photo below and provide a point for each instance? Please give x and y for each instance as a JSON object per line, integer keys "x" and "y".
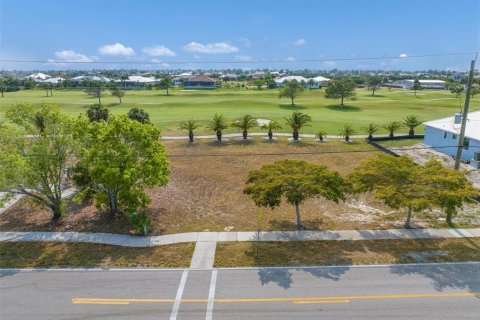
{"x": 445, "y": 135}
{"x": 466, "y": 143}
{"x": 454, "y": 136}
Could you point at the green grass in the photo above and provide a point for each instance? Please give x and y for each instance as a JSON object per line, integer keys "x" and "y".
{"x": 399, "y": 143}
{"x": 166, "y": 111}
{"x": 345, "y": 252}
{"x": 50, "y": 255}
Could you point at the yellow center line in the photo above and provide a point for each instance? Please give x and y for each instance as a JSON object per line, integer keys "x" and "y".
{"x": 301, "y": 300}
{"x": 320, "y": 301}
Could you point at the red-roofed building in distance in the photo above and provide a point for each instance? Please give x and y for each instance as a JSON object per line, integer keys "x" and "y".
{"x": 200, "y": 82}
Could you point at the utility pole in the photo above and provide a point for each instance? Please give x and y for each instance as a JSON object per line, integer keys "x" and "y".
{"x": 461, "y": 138}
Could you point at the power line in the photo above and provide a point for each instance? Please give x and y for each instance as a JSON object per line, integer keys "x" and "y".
{"x": 239, "y": 62}
{"x": 250, "y": 154}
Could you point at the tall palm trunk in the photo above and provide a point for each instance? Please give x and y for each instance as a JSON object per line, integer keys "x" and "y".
{"x": 295, "y": 134}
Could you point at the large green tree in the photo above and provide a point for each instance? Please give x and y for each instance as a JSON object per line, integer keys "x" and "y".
{"x": 296, "y": 181}
{"x": 121, "y": 157}
{"x": 374, "y": 83}
{"x": 117, "y": 92}
{"x": 416, "y": 86}
{"x": 341, "y": 89}
{"x": 96, "y": 89}
{"x": 165, "y": 84}
{"x": 291, "y": 89}
{"x": 397, "y": 181}
{"x": 34, "y": 159}
{"x": 449, "y": 188}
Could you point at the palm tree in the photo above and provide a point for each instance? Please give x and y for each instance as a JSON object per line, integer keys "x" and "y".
{"x": 392, "y": 127}
{"x": 139, "y": 115}
{"x": 98, "y": 113}
{"x": 270, "y": 126}
{"x": 124, "y": 78}
{"x": 39, "y": 121}
{"x": 245, "y": 123}
{"x": 411, "y": 122}
{"x": 297, "y": 120}
{"x": 217, "y": 124}
{"x": 321, "y": 134}
{"x": 347, "y": 131}
{"x": 370, "y": 130}
{"x": 189, "y": 126}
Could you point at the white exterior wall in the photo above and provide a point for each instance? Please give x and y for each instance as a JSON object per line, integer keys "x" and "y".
{"x": 436, "y": 138}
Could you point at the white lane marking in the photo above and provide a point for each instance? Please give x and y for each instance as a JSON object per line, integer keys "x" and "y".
{"x": 211, "y": 295}
{"x": 178, "y": 298}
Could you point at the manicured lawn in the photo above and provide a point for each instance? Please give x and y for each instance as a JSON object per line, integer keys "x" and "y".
{"x": 50, "y": 255}
{"x": 304, "y": 253}
{"x": 166, "y": 111}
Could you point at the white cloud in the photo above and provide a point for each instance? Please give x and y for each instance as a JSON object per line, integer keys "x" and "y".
{"x": 243, "y": 58}
{"x": 213, "y": 48}
{"x": 245, "y": 42}
{"x": 290, "y": 59}
{"x": 403, "y": 55}
{"x": 70, "y": 56}
{"x": 157, "y": 51}
{"x": 299, "y": 42}
{"x": 155, "y": 60}
{"x": 116, "y": 49}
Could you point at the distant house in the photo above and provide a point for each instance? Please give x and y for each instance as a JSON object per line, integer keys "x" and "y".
{"x": 38, "y": 76}
{"x": 55, "y": 80}
{"x": 90, "y": 78}
{"x": 316, "y": 82}
{"x": 442, "y": 135}
{"x": 199, "y": 82}
{"x": 425, "y": 84}
{"x": 136, "y": 82}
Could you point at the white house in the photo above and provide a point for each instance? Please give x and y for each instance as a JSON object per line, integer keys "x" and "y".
{"x": 55, "y": 80}
{"x": 317, "y": 81}
{"x": 425, "y": 84}
{"x": 38, "y": 76}
{"x": 442, "y": 135}
{"x": 90, "y": 78}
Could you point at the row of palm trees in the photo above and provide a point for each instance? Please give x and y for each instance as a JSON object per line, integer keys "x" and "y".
{"x": 295, "y": 121}
{"x": 219, "y": 123}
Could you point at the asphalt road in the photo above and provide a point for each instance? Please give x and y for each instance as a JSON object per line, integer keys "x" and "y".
{"x": 428, "y": 291}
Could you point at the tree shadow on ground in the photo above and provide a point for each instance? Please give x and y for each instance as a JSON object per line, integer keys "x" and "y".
{"x": 290, "y": 107}
{"x": 295, "y": 254}
{"x": 346, "y": 108}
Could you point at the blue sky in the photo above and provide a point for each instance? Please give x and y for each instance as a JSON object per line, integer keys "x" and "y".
{"x": 199, "y": 32}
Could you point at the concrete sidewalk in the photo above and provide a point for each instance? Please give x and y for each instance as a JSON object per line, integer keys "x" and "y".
{"x": 331, "y": 235}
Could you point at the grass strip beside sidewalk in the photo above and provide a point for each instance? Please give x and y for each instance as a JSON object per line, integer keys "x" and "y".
{"x": 345, "y": 252}
{"x": 50, "y": 255}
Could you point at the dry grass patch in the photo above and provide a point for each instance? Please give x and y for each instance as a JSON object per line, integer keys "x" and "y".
{"x": 206, "y": 193}
{"x": 304, "y": 253}
{"x": 50, "y": 255}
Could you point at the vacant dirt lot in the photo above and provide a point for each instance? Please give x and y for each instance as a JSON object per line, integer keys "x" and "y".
{"x": 205, "y": 193}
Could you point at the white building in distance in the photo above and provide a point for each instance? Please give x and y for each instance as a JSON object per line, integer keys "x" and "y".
{"x": 425, "y": 84}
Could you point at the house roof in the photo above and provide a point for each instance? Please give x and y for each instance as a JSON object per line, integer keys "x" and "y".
{"x": 38, "y": 76}
{"x": 291, "y": 78}
{"x": 201, "y": 78}
{"x": 472, "y": 131}
{"x": 320, "y": 79}
{"x": 141, "y": 79}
